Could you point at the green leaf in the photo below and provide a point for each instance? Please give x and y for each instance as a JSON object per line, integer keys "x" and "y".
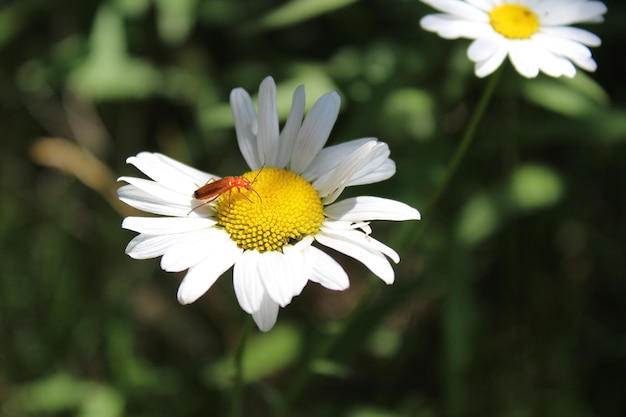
{"x": 535, "y": 186}
{"x": 297, "y": 11}
{"x": 176, "y": 19}
{"x": 577, "y": 97}
{"x": 264, "y": 355}
{"x": 479, "y": 219}
{"x": 52, "y": 394}
{"x": 101, "y": 401}
{"x": 108, "y": 73}
{"x": 62, "y": 392}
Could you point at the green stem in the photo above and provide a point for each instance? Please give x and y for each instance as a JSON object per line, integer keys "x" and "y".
{"x": 237, "y": 393}
{"x": 461, "y": 150}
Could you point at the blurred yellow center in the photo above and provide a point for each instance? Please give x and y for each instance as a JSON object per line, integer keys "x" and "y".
{"x": 514, "y": 21}
{"x": 281, "y": 208}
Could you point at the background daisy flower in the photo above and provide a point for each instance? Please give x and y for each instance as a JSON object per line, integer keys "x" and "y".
{"x": 267, "y": 233}
{"x": 534, "y": 34}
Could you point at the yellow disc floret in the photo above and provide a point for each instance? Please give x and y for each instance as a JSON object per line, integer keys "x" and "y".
{"x": 280, "y": 208}
{"x": 514, "y": 21}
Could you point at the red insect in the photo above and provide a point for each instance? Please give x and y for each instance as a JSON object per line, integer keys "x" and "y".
{"x": 215, "y": 188}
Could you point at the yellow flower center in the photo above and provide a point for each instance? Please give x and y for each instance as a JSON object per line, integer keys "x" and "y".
{"x": 280, "y": 208}
{"x": 514, "y": 21}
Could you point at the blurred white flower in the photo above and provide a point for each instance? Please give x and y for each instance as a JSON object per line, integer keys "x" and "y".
{"x": 266, "y": 233}
{"x": 534, "y": 34}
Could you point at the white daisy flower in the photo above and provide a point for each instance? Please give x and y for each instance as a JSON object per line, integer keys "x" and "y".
{"x": 534, "y": 34}
{"x": 270, "y": 224}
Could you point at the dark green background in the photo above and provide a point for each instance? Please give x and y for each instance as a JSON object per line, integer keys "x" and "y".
{"x": 510, "y": 302}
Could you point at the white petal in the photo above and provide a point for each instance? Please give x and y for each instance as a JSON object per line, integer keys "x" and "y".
{"x": 575, "y": 51}
{"x": 267, "y": 136}
{"x": 567, "y": 12}
{"x": 277, "y": 277}
{"x": 160, "y": 191}
{"x": 484, "y": 48}
{"x": 327, "y": 271}
{"x": 266, "y": 317}
{"x": 315, "y": 130}
{"x": 247, "y": 282}
{"x": 291, "y": 129}
{"x": 378, "y": 168}
{"x": 587, "y": 64}
{"x": 362, "y": 239}
{"x": 524, "y": 58}
{"x": 449, "y": 27}
{"x": 203, "y": 275}
{"x": 169, "y": 172}
{"x": 148, "y": 246}
{"x": 366, "y": 208}
{"x": 554, "y": 65}
{"x": 573, "y": 34}
{"x": 333, "y": 183}
{"x": 458, "y": 8}
{"x": 141, "y": 200}
{"x": 489, "y": 65}
{"x": 382, "y": 172}
{"x": 245, "y": 126}
{"x": 301, "y": 263}
{"x": 361, "y": 247}
{"x": 166, "y": 225}
{"x": 330, "y": 157}
{"x": 484, "y": 5}
{"x": 194, "y": 248}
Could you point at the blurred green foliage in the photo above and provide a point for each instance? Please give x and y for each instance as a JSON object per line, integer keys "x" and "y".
{"x": 511, "y": 304}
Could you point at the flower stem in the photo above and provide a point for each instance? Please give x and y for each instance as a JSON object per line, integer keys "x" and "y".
{"x": 466, "y": 140}
{"x": 237, "y": 392}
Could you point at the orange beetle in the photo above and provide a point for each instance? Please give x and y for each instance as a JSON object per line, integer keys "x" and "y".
{"x": 214, "y": 188}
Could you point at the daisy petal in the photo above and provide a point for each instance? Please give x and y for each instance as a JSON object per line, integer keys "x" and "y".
{"x": 567, "y": 12}
{"x": 379, "y": 168}
{"x": 331, "y": 156}
{"x": 301, "y": 264}
{"x": 383, "y": 172}
{"x": 266, "y": 316}
{"x": 267, "y": 136}
{"x": 277, "y": 277}
{"x": 160, "y": 191}
{"x": 166, "y": 225}
{"x": 524, "y": 58}
{"x": 365, "y": 208}
{"x": 489, "y": 65}
{"x": 247, "y": 283}
{"x": 573, "y": 34}
{"x": 194, "y": 248}
{"x": 326, "y": 271}
{"x": 141, "y": 200}
{"x": 332, "y": 184}
{"x": 360, "y": 249}
{"x": 315, "y": 130}
{"x": 245, "y": 126}
{"x": 449, "y": 27}
{"x": 169, "y": 173}
{"x": 457, "y": 8}
{"x": 291, "y": 129}
{"x": 147, "y": 246}
{"x": 554, "y": 65}
{"x": 203, "y": 275}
